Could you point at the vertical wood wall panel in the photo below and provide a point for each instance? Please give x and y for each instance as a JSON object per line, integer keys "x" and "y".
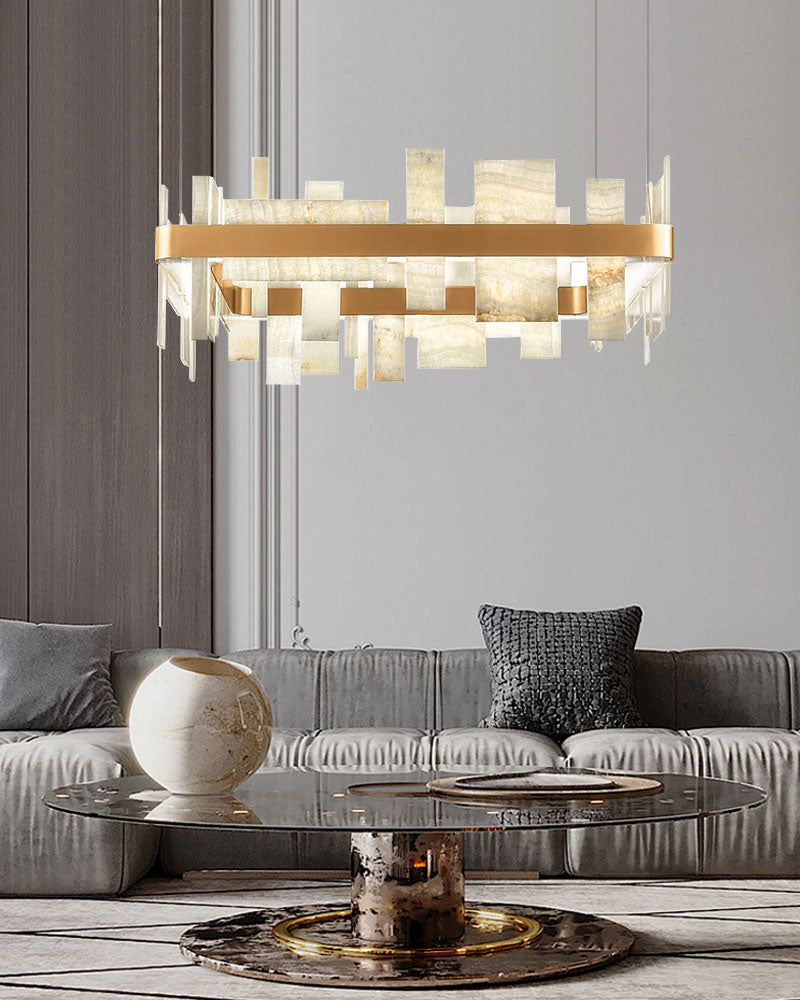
{"x": 14, "y": 336}
{"x": 93, "y": 365}
{"x": 187, "y": 526}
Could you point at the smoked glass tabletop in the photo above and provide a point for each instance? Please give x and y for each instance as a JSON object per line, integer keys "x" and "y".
{"x": 393, "y": 800}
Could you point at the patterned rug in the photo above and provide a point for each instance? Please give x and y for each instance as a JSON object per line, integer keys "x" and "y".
{"x": 725, "y": 940}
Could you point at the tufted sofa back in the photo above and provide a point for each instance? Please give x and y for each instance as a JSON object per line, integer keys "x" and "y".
{"x": 419, "y": 689}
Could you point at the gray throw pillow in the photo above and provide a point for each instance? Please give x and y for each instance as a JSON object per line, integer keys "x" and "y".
{"x": 561, "y": 672}
{"x": 55, "y": 676}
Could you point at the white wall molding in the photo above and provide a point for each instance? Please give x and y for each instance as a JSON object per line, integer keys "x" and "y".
{"x": 255, "y": 426}
{"x": 282, "y": 404}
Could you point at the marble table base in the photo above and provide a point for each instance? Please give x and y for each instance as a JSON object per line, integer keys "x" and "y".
{"x": 408, "y": 926}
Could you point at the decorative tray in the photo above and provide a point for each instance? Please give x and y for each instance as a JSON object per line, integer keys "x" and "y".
{"x": 543, "y": 784}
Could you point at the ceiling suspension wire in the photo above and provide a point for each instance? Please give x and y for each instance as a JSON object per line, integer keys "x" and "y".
{"x": 595, "y": 88}
{"x": 159, "y": 375}
{"x": 180, "y": 104}
{"x": 647, "y": 93}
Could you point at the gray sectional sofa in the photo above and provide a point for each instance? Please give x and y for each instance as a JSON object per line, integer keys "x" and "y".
{"x": 725, "y": 713}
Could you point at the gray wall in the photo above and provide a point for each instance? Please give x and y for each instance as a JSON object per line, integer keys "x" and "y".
{"x": 590, "y": 481}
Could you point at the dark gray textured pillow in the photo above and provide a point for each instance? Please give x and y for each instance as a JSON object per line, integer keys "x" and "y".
{"x": 55, "y": 676}
{"x": 561, "y": 672}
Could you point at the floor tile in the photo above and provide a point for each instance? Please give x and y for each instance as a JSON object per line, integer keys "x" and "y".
{"x": 35, "y": 953}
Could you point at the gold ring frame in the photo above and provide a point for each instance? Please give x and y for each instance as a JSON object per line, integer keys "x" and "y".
{"x": 652, "y": 240}
{"x": 528, "y": 932}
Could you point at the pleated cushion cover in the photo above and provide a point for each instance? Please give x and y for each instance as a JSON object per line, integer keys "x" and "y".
{"x": 561, "y": 672}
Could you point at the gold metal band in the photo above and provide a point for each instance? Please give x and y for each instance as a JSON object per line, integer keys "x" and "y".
{"x": 528, "y": 930}
{"x": 571, "y": 300}
{"x": 459, "y": 300}
{"x": 238, "y": 298}
{"x": 415, "y": 240}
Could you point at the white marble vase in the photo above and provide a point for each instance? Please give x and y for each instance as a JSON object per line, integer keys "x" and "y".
{"x": 200, "y": 726}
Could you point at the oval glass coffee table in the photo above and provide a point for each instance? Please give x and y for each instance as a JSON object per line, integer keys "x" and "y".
{"x": 408, "y": 924}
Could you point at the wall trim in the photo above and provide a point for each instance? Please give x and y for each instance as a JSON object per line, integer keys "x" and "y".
{"x": 281, "y": 405}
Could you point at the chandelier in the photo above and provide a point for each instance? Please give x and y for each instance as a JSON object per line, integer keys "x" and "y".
{"x": 511, "y": 265}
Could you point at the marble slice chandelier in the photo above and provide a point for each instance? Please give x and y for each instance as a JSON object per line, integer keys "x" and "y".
{"x": 511, "y": 265}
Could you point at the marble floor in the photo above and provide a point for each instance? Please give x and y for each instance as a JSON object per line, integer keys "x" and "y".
{"x": 725, "y": 940}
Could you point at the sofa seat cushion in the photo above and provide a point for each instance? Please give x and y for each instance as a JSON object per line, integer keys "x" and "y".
{"x": 49, "y": 853}
{"x": 20, "y": 735}
{"x": 634, "y": 750}
{"x": 762, "y": 841}
{"x": 758, "y": 842}
{"x": 372, "y": 751}
{"x": 649, "y": 849}
{"x": 362, "y": 749}
{"x": 458, "y": 749}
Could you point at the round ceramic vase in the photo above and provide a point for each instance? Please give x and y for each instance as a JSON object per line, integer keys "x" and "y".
{"x": 200, "y": 726}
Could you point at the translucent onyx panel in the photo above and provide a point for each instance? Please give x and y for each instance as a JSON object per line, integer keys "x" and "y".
{"x": 243, "y": 338}
{"x": 309, "y": 212}
{"x": 664, "y": 211}
{"x": 324, "y": 190}
{"x": 540, "y": 340}
{"x": 215, "y": 297}
{"x": 361, "y": 371}
{"x": 283, "y": 350}
{"x": 425, "y": 203}
{"x": 388, "y": 349}
{"x": 321, "y": 310}
{"x": 634, "y": 276}
{"x": 460, "y": 272}
{"x": 161, "y": 318}
{"x": 521, "y": 289}
{"x": 178, "y": 273}
{"x": 605, "y": 204}
{"x": 352, "y": 334}
{"x": 515, "y": 289}
{"x": 184, "y": 347}
{"x": 647, "y": 282}
{"x": 450, "y": 342}
{"x": 319, "y": 357}
{"x": 188, "y": 348}
{"x": 425, "y": 283}
{"x": 163, "y": 205}
{"x": 163, "y": 272}
{"x": 504, "y": 329}
{"x": 260, "y": 296}
{"x": 395, "y": 276}
{"x": 462, "y": 215}
{"x": 200, "y": 316}
{"x": 425, "y": 185}
{"x": 352, "y": 325}
{"x": 658, "y": 200}
{"x": 259, "y": 177}
{"x": 285, "y": 211}
{"x": 201, "y": 313}
{"x": 388, "y": 334}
